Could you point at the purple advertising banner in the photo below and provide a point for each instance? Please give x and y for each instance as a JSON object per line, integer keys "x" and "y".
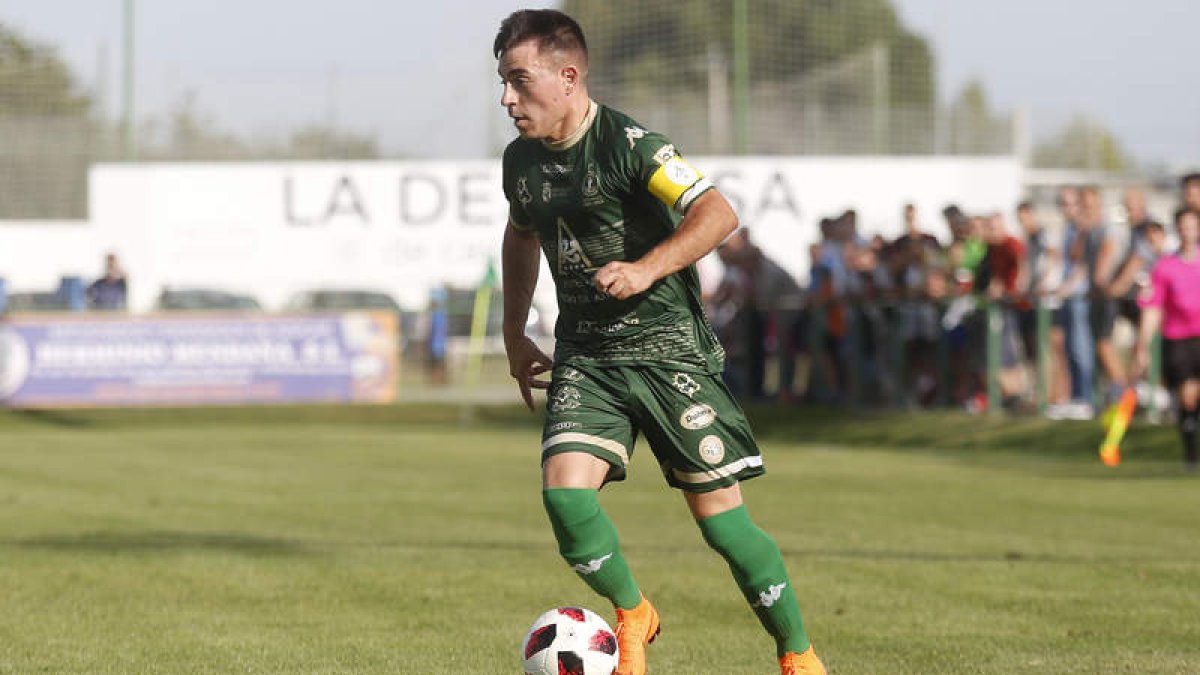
{"x": 88, "y": 361}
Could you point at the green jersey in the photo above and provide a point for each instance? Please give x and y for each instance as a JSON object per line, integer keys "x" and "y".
{"x": 612, "y": 191}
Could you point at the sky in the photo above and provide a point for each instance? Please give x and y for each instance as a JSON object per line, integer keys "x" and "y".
{"x": 420, "y": 76}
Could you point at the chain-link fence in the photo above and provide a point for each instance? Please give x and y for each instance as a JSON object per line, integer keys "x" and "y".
{"x": 776, "y": 77}
{"x": 717, "y": 76}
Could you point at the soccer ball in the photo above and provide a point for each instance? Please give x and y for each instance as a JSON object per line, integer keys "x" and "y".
{"x": 569, "y": 641}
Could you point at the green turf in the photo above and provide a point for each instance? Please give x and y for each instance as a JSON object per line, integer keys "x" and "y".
{"x": 398, "y": 540}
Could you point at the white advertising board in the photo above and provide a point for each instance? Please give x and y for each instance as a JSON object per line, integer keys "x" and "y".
{"x": 272, "y": 230}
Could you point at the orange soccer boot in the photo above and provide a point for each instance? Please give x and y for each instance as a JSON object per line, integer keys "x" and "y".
{"x": 807, "y": 663}
{"x": 635, "y": 629}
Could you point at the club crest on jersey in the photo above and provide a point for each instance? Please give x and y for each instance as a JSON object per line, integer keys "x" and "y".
{"x": 566, "y": 398}
{"x": 685, "y": 384}
{"x": 664, "y": 154}
{"x": 712, "y": 449}
{"x": 523, "y": 190}
{"x": 633, "y": 134}
{"x": 571, "y": 375}
{"x": 591, "y": 182}
{"x": 698, "y": 416}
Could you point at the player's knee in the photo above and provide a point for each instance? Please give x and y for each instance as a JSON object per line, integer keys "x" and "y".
{"x": 578, "y": 523}
{"x": 733, "y": 534}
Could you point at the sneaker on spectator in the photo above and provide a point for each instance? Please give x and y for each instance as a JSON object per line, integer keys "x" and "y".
{"x": 1075, "y": 410}
{"x": 1057, "y": 411}
{"x": 1080, "y": 410}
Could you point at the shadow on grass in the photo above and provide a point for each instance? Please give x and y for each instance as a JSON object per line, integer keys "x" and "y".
{"x": 547, "y": 548}
{"x": 165, "y": 541}
{"x": 53, "y": 418}
{"x": 429, "y": 415}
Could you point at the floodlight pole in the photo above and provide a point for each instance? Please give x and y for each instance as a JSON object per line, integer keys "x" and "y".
{"x": 741, "y": 78}
{"x": 128, "y": 135}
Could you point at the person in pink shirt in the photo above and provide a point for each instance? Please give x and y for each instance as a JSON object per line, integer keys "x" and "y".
{"x": 1172, "y": 303}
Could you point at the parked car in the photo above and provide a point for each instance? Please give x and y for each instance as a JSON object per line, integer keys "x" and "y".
{"x": 460, "y": 304}
{"x": 205, "y": 299}
{"x": 355, "y": 299}
{"x": 36, "y": 301}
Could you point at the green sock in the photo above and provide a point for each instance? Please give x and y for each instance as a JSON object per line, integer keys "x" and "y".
{"x": 587, "y": 540}
{"x": 757, "y": 566}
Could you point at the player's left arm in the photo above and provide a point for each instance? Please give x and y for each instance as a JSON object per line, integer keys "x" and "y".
{"x": 709, "y": 219}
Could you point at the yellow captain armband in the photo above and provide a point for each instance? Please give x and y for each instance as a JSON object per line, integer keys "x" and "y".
{"x": 677, "y": 184}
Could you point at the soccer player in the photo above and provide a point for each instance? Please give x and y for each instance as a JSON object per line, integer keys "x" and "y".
{"x": 622, "y": 219}
{"x": 1173, "y": 303}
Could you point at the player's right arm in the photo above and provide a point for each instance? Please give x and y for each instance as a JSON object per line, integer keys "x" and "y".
{"x": 520, "y": 257}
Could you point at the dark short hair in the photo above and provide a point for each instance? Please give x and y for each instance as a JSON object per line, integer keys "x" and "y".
{"x": 1193, "y": 177}
{"x": 1155, "y": 226}
{"x": 552, "y": 29}
{"x": 1025, "y": 205}
{"x": 1180, "y": 213}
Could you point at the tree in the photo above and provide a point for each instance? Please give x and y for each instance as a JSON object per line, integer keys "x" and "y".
{"x": 973, "y": 128}
{"x": 1083, "y": 144}
{"x": 49, "y": 135}
{"x": 34, "y": 81}
{"x": 188, "y": 133}
{"x": 321, "y": 142}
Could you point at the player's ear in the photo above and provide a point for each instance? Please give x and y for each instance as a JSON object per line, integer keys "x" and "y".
{"x": 570, "y": 77}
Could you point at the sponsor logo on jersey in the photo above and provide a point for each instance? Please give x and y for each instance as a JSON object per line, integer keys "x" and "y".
{"x": 571, "y": 375}
{"x": 633, "y": 134}
{"x": 592, "y": 566}
{"x": 685, "y": 384}
{"x": 664, "y": 154}
{"x": 571, "y": 258}
{"x": 566, "y": 398}
{"x": 770, "y": 596}
{"x": 556, "y": 169}
{"x": 712, "y": 449}
{"x": 563, "y": 426}
{"x": 607, "y": 328}
{"x": 523, "y": 190}
{"x": 698, "y": 416}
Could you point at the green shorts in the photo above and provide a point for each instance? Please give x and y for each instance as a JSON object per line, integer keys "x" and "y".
{"x": 696, "y": 429}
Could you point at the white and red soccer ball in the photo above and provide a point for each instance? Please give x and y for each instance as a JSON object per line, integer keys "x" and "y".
{"x": 569, "y": 641}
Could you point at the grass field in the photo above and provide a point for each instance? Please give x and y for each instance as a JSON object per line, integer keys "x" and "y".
{"x": 398, "y": 540}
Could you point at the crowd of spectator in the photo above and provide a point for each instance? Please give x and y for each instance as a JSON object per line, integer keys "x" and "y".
{"x": 904, "y": 322}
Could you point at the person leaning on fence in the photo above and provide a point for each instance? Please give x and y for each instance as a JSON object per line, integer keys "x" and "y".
{"x": 1073, "y": 315}
{"x": 1102, "y": 257}
{"x": 1138, "y": 258}
{"x": 1000, "y": 275}
{"x": 1172, "y": 304}
{"x": 912, "y": 259}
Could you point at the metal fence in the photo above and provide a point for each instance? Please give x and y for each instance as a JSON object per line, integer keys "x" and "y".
{"x": 717, "y": 76}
